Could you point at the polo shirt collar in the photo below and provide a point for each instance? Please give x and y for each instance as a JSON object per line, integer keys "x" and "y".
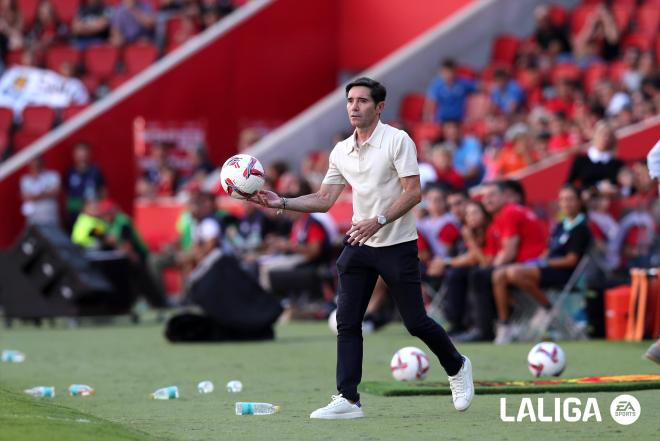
{"x": 374, "y": 140}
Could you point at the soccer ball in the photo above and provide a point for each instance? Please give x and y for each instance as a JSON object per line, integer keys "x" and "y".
{"x": 409, "y": 364}
{"x": 242, "y": 176}
{"x": 546, "y": 358}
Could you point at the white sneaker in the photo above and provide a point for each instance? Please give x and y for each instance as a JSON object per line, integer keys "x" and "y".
{"x": 541, "y": 319}
{"x": 462, "y": 388}
{"x": 338, "y": 409}
{"x": 505, "y": 334}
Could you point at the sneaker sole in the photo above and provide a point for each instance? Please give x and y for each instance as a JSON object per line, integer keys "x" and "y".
{"x": 652, "y": 358}
{"x": 340, "y": 416}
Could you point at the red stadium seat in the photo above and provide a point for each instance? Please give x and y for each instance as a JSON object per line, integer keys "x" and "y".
{"x": 65, "y": 9}
{"x": 505, "y": 48}
{"x": 558, "y": 15}
{"x": 622, "y": 13}
{"x": 28, "y": 9}
{"x": 37, "y": 119}
{"x": 594, "y": 73}
{"x": 71, "y": 111}
{"x": 412, "y": 107}
{"x": 616, "y": 70}
{"x": 139, "y": 56}
{"x": 23, "y": 139}
{"x": 565, "y": 71}
{"x": 477, "y": 107}
{"x": 640, "y": 41}
{"x": 579, "y": 17}
{"x": 6, "y": 119}
{"x": 100, "y": 61}
{"x": 4, "y": 144}
{"x": 657, "y": 49}
{"x": 647, "y": 20}
{"x": 15, "y": 57}
{"x": 91, "y": 83}
{"x": 117, "y": 80}
{"x": 423, "y": 132}
{"x": 464, "y": 71}
{"x": 57, "y": 55}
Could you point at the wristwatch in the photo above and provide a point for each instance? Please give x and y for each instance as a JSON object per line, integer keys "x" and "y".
{"x": 381, "y": 220}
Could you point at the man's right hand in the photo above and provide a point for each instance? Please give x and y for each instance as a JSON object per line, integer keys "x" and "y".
{"x": 267, "y": 199}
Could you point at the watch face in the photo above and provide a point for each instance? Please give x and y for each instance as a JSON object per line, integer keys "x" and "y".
{"x": 381, "y": 220}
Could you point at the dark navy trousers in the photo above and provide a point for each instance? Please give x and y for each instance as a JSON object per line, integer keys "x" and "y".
{"x": 359, "y": 268}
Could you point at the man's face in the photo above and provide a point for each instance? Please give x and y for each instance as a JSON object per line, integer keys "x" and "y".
{"x": 361, "y": 108}
{"x": 81, "y": 155}
{"x": 456, "y": 203}
{"x": 493, "y": 199}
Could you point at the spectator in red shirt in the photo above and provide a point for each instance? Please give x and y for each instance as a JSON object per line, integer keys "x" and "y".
{"x": 442, "y": 160}
{"x": 563, "y": 99}
{"x": 560, "y": 136}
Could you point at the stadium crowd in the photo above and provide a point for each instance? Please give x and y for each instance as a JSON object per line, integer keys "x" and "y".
{"x": 566, "y": 88}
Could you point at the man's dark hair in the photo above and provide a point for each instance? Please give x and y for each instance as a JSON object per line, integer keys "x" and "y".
{"x": 459, "y": 192}
{"x": 448, "y": 63}
{"x": 514, "y": 186}
{"x": 378, "y": 91}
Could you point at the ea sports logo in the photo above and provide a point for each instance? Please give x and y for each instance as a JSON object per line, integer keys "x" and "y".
{"x": 625, "y": 409}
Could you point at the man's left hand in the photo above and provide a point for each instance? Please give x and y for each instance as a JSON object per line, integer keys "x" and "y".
{"x": 361, "y": 231}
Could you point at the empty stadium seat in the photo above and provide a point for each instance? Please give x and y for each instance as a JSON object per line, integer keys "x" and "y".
{"x": 425, "y": 132}
{"x": 622, "y": 13}
{"x": 579, "y": 17}
{"x": 646, "y": 20}
{"x": 6, "y": 119}
{"x": 65, "y": 9}
{"x": 558, "y": 15}
{"x": 117, "y": 80}
{"x": 640, "y": 41}
{"x": 100, "y": 61}
{"x": 505, "y": 48}
{"x": 139, "y": 56}
{"x": 23, "y": 139}
{"x": 4, "y": 144}
{"x": 91, "y": 83}
{"x": 37, "y": 119}
{"x": 71, "y": 111}
{"x": 28, "y": 9}
{"x": 412, "y": 108}
{"x": 57, "y": 55}
{"x": 14, "y": 57}
{"x": 594, "y": 73}
{"x": 616, "y": 70}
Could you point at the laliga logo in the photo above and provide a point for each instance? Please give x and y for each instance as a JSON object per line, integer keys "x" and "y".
{"x": 625, "y": 410}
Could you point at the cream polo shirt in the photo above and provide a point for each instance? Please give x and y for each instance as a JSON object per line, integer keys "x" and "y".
{"x": 373, "y": 170}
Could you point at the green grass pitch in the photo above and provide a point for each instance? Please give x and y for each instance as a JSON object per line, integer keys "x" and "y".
{"x": 125, "y": 363}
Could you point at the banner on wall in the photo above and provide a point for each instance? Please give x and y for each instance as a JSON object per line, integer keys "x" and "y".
{"x": 182, "y": 139}
{"x": 22, "y": 86}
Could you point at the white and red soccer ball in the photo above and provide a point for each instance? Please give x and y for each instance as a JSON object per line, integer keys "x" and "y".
{"x": 409, "y": 364}
{"x": 241, "y": 176}
{"x": 546, "y": 358}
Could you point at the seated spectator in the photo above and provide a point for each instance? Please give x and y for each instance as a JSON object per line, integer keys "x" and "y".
{"x": 213, "y": 10}
{"x": 89, "y": 229}
{"x": 611, "y": 99}
{"x": 200, "y": 167}
{"x": 561, "y": 97}
{"x": 569, "y": 241}
{"x": 467, "y": 152}
{"x": 84, "y": 182}
{"x": 132, "y": 21}
{"x": 439, "y": 227}
{"x": 516, "y": 154}
{"x": 441, "y": 159}
{"x": 122, "y": 235}
{"x": 91, "y": 25}
{"x": 560, "y": 136}
{"x": 47, "y": 28}
{"x": 159, "y": 177}
{"x": 514, "y": 235}
{"x": 457, "y": 270}
{"x": 446, "y": 95}
{"x": 11, "y": 25}
{"x": 552, "y": 39}
{"x": 505, "y": 93}
{"x": 598, "y": 39}
{"x": 40, "y": 189}
{"x": 599, "y": 163}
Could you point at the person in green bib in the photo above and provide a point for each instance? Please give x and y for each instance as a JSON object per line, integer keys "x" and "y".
{"x": 122, "y": 235}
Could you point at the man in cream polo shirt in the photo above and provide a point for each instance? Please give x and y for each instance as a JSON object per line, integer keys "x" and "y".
{"x": 380, "y": 164}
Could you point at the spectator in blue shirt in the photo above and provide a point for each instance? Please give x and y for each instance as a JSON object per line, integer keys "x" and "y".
{"x": 84, "y": 182}
{"x": 447, "y": 94}
{"x": 505, "y": 93}
{"x": 467, "y": 153}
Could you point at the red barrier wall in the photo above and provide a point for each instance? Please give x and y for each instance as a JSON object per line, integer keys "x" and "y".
{"x": 371, "y": 29}
{"x": 543, "y": 185}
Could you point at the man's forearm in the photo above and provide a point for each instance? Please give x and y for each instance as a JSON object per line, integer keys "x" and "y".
{"x": 402, "y": 205}
{"x": 309, "y": 203}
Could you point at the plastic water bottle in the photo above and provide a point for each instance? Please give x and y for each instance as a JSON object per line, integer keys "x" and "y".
{"x": 256, "y": 408}
{"x": 12, "y": 356}
{"x": 205, "y": 387}
{"x": 166, "y": 393}
{"x": 41, "y": 391}
{"x": 81, "y": 390}
{"x": 234, "y": 386}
